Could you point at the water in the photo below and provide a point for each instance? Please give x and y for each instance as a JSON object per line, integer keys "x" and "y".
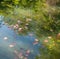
{"x": 21, "y": 44}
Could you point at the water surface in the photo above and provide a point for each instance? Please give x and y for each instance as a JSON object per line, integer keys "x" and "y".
{"x": 21, "y": 44}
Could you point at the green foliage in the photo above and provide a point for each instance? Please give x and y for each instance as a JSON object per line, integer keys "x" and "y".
{"x": 45, "y": 21}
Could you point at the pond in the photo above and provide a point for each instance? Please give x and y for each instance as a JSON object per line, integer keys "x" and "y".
{"x": 14, "y": 46}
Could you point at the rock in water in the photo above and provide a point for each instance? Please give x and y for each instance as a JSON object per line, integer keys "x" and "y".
{"x": 58, "y": 36}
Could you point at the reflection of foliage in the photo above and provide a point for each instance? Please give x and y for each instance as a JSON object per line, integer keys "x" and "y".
{"x": 39, "y": 17}
{"x": 50, "y": 49}
{"x": 43, "y": 15}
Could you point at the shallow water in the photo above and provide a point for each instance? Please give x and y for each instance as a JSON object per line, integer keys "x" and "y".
{"x": 21, "y": 44}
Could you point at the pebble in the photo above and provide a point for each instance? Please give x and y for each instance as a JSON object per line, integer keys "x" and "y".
{"x": 46, "y": 41}
{"x": 11, "y": 46}
{"x": 5, "y": 38}
{"x": 36, "y": 40}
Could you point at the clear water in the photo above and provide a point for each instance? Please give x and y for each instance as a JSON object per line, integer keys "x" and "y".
{"x": 21, "y": 44}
